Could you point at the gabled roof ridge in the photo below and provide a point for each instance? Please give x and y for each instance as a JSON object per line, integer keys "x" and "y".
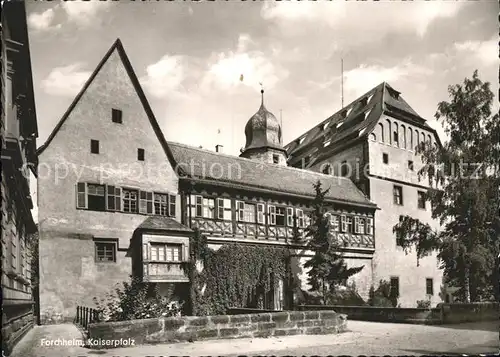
{"x": 118, "y": 46}
{"x": 291, "y": 168}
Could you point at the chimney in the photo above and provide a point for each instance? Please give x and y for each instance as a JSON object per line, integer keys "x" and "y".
{"x": 218, "y": 148}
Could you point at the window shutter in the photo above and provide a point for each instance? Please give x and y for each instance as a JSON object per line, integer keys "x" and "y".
{"x": 149, "y": 202}
{"x": 219, "y": 208}
{"x": 307, "y": 220}
{"x": 369, "y": 226}
{"x": 199, "y": 206}
{"x": 172, "y": 201}
{"x": 240, "y": 208}
{"x": 81, "y": 195}
{"x": 343, "y": 223}
{"x": 142, "y": 202}
{"x": 260, "y": 213}
{"x": 289, "y": 216}
{"x": 356, "y": 225}
{"x": 272, "y": 214}
{"x": 145, "y": 251}
{"x": 227, "y": 209}
{"x": 110, "y": 198}
{"x": 300, "y": 217}
{"x": 118, "y": 199}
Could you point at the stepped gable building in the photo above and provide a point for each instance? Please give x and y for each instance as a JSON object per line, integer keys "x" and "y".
{"x": 18, "y": 139}
{"x": 372, "y": 141}
{"x": 126, "y": 201}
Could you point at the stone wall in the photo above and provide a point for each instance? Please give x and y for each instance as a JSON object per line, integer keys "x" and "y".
{"x": 169, "y": 330}
{"x": 442, "y": 314}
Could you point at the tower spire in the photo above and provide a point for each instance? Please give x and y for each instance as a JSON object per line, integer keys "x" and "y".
{"x": 261, "y": 94}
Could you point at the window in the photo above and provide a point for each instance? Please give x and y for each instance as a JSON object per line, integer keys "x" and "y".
{"x": 140, "y": 154}
{"x": 96, "y": 199}
{"x": 129, "y": 201}
{"x": 327, "y": 169}
{"x": 198, "y": 206}
{"x": 385, "y": 158}
{"x": 208, "y": 208}
{"x": 394, "y": 286}
{"x": 421, "y": 199}
{"x": 344, "y": 168}
{"x": 280, "y": 216}
{"x": 81, "y": 195}
{"x": 105, "y": 251}
{"x": 369, "y": 226}
{"x": 161, "y": 204}
{"x": 116, "y": 116}
{"x": 429, "y": 286}
{"x": 260, "y": 213}
{"x": 343, "y": 223}
{"x": 276, "y": 159}
{"x": 114, "y": 195}
{"x": 334, "y": 222}
{"x": 349, "y": 224}
{"x": 166, "y": 252}
{"x": 410, "y": 165}
{"x": 396, "y": 138}
{"x": 94, "y": 146}
{"x": 398, "y": 195}
{"x": 359, "y": 225}
{"x": 249, "y": 213}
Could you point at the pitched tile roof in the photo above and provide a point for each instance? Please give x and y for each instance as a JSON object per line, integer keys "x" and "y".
{"x": 357, "y": 119}
{"x": 208, "y": 166}
{"x": 162, "y": 223}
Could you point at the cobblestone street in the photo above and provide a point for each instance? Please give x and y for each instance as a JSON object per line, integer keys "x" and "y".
{"x": 363, "y": 338}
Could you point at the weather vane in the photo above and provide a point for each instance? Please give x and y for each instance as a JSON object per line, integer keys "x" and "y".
{"x": 262, "y": 92}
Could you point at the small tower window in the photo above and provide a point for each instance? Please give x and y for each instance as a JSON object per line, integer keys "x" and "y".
{"x": 276, "y": 159}
{"x": 116, "y": 116}
{"x": 94, "y": 146}
{"x": 140, "y": 154}
{"x": 327, "y": 169}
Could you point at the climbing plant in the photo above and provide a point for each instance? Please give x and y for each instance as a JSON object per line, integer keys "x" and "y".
{"x": 233, "y": 275}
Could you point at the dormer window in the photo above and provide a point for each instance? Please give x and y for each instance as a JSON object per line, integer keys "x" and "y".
{"x": 326, "y": 143}
{"x": 393, "y": 93}
{"x": 301, "y": 140}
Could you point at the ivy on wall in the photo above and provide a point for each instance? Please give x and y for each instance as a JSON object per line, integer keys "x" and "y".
{"x": 233, "y": 275}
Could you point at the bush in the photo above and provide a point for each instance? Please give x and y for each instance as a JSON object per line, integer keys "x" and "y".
{"x": 383, "y": 296}
{"x": 136, "y": 300}
{"x": 345, "y": 295}
{"x": 423, "y": 304}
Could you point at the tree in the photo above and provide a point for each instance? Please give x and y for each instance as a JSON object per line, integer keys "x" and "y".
{"x": 464, "y": 193}
{"x": 327, "y": 266}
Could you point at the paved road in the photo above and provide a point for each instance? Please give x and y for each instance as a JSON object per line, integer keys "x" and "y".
{"x": 363, "y": 338}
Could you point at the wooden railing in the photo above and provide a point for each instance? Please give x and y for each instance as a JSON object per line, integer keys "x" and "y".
{"x": 86, "y": 316}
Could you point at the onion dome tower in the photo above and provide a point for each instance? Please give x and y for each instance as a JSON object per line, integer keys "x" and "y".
{"x": 263, "y": 137}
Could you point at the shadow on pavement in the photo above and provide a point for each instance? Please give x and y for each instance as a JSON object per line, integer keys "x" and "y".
{"x": 486, "y": 349}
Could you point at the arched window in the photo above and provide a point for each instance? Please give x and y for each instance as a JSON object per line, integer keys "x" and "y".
{"x": 417, "y": 138}
{"x": 403, "y": 136}
{"x": 373, "y": 137}
{"x": 327, "y": 169}
{"x": 389, "y": 131}
{"x": 410, "y": 137}
{"x": 429, "y": 140}
{"x": 395, "y": 135}
{"x": 381, "y": 134}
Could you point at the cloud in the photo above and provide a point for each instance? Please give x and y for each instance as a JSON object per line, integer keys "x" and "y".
{"x": 242, "y": 67}
{"x": 82, "y": 12}
{"x": 42, "y": 21}
{"x": 165, "y": 76}
{"x": 484, "y": 51}
{"x": 65, "y": 81}
{"x": 361, "y": 79}
{"x": 371, "y": 18}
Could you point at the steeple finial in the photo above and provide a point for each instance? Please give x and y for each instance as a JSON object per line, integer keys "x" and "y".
{"x": 261, "y": 93}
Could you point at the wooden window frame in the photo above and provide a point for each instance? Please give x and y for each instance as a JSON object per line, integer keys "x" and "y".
{"x": 104, "y": 243}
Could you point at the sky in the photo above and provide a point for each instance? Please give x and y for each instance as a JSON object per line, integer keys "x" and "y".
{"x": 190, "y": 57}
